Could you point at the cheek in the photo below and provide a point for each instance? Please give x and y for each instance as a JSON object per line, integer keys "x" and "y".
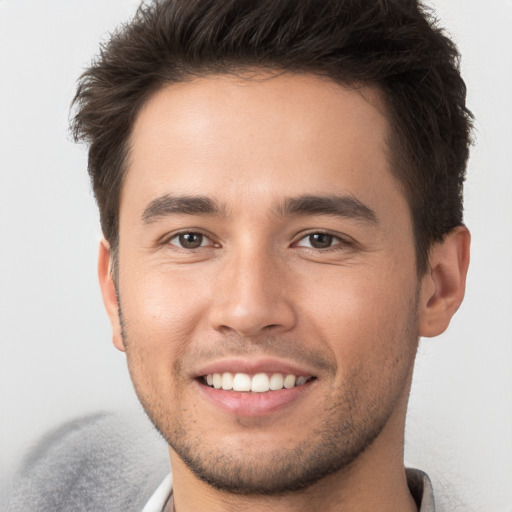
{"x": 162, "y": 312}
{"x": 166, "y": 301}
{"x": 367, "y": 319}
{"x": 371, "y": 332}
{"x": 159, "y": 316}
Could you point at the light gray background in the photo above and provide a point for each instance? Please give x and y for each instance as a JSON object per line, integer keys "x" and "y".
{"x": 56, "y": 359}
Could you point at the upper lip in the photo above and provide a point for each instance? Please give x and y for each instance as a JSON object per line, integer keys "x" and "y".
{"x": 253, "y": 366}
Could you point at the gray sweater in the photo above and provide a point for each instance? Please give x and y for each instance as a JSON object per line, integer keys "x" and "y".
{"x": 104, "y": 462}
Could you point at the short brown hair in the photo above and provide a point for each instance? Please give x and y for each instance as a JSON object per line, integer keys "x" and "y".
{"x": 394, "y": 45}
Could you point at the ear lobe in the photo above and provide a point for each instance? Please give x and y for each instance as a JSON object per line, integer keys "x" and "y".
{"x": 108, "y": 292}
{"x": 444, "y": 284}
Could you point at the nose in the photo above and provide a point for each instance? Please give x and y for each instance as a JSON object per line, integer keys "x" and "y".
{"x": 254, "y": 296}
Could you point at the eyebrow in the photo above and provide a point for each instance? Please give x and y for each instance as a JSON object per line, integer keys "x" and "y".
{"x": 176, "y": 205}
{"x": 346, "y": 206}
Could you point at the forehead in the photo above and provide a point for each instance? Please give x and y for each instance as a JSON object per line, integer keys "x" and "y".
{"x": 245, "y": 136}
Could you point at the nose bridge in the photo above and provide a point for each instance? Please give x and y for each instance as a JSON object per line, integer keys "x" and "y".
{"x": 252, "y": 292}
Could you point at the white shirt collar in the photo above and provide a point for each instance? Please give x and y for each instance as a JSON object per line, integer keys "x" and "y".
{"x": 160, "y": 497}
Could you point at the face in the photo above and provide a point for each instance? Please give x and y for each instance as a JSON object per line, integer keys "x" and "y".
{"x": 265, "y": 245}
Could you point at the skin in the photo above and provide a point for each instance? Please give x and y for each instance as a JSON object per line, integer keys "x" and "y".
{"x": 349, "y": 313}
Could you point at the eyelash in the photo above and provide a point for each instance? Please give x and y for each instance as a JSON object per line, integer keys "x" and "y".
{"x": 341, "y": 241}
{"x": 168, "y": 239}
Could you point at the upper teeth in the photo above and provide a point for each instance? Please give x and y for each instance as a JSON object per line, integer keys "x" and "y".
{"x": 258, "y": 383}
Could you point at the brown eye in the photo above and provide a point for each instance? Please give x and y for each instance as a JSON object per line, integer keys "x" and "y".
{"x": 319, "y": 241}
{"x": 189, "y": 240}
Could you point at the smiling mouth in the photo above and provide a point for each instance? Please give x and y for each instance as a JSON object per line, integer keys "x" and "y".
{"x": 257, "y": 383}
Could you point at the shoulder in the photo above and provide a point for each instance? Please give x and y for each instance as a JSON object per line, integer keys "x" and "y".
{"x": 105, "y": 461}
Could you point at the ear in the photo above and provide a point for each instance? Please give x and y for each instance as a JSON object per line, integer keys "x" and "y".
{"x": 444, "y": 284}
{"x": 108, "y": 292}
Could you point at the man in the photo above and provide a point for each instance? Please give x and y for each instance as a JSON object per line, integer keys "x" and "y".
{"x": 279, "y": 186}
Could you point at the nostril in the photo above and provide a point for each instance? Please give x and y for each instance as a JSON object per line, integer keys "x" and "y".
{"x": 249, "y": 317}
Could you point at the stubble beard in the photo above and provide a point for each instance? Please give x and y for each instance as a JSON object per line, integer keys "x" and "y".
{"x": 346, "y": 433}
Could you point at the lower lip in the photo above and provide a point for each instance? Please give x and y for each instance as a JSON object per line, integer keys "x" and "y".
{"x": 253, "y": 404}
